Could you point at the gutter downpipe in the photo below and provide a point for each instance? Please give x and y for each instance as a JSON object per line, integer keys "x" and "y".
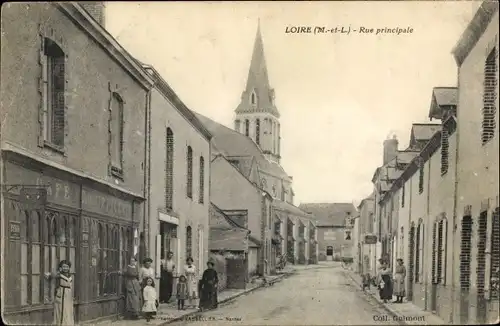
{"x": 147, "y": 173}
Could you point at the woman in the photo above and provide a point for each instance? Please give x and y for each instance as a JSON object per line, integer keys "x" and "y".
{"x": 133, "y": 288}
{"x": 385, "y": 282}
{"x": 209, "y": 284}
{"x": 146, "y": 270}
{"x": 167, "y": 277}
{"x": 63, "y": 296}
{"x": 399, "y": 281}
{"x": 192, "y": 283}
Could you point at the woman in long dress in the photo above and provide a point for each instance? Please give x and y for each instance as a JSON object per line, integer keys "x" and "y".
{"x": 385, "y": 282}
{"x": 192, "y": 283}
{"x": 208, "y": 287}
{"x": 63, "y": 296}
{"x": 399, "y": 281}
{"x": 133, "y": 287}
{"x": 146, "y": 270}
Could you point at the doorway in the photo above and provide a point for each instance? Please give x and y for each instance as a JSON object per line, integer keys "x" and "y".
{"x": 329, "y": 253}
{"x": 168, "y": 233}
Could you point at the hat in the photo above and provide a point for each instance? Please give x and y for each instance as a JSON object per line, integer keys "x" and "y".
{"x": 211, "y": 260}
{"x": 147, "y": 260}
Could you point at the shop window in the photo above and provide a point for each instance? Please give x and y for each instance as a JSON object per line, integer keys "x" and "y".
{"x": 465, "y": 253}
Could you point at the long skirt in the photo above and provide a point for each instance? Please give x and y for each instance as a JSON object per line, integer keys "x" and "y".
{"x": 386, "y": 291}
{"x": 63, "y": 307}
{"x": 133, "y": 298}
{"x": 399, "y": 285}
{"x": 208, "y": 297}
{"x": 167, "y": 283}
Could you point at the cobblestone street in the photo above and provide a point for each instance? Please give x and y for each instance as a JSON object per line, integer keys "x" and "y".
{"x": 320, "y": 296}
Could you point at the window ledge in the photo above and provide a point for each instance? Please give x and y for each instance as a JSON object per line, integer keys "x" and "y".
{"x": 53, "y": 147}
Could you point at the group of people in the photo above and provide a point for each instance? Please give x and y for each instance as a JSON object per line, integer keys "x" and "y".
{"x": 140, "y": 291}
{"x": 390, "y": 285}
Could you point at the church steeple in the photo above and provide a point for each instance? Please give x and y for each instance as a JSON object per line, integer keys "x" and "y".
{"x": 257, "y": 116}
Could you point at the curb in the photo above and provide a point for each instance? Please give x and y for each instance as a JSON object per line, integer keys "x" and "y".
{"x": 374, "y": 296}
{"x": 197, "y": 313}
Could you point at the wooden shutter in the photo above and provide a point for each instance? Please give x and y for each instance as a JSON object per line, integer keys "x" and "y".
{"x": 42, "y": 84}
{"x": 495, "y": 255}
{"x": 434, "y": 255}
{"x": 445, "y": 253}
{"x": 58, "y": 101}
{"x": 487, "y": 267}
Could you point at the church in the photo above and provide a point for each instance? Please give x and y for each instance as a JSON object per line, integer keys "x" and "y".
{"x": 253, "y": 148}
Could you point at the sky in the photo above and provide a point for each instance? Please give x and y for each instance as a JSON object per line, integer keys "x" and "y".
{"x": 340, "y": 95}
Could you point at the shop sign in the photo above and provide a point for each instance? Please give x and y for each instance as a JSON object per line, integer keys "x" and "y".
{"x": 85, "y": 239}
{"x": 15, "y": 230}
{"x": 94, "y": 201}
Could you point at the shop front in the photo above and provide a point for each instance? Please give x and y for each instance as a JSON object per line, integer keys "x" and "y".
{"x": 80, "y": 220}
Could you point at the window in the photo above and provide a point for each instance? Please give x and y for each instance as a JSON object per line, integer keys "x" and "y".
{"x": 403, "y": 195}
{"x": 481, "y": 252}
{"x": 274, "y": 136}
{"x": 495, "y": 255}
{"x": 444, "y": 150}
{"x": 237, "y": 124}
{"x": 490, "y": 94}
{"x": 434, "y": 255}
{"x": 278, "y": 138}
{"x": 108, "y": 261}
{"x": 202, "y": 180}
{"x": 257, "y": 131}
{"x": 189, "y": 183}
{"x": 189, "y": 242}
{"x": 247, "y": 127}
{"x": 116, "y": 134}
{"x": 169, "y": 170}
{"x": 53, "y": 93}
{"x": 418, "y": 251}
{"x": 421, "y": 178}
{"x": 444, "y": 251}
{"x": 348, "y": 235}
{"x": 253, "y": 98}
{"x": 465, "y": 253}
{"x": 31, "y": 263}
{"x": 411, "y": 249}
{"x": 440, "y": 252}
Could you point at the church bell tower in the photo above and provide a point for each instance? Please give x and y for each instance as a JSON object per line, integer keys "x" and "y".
{"x": 257, "y": 116}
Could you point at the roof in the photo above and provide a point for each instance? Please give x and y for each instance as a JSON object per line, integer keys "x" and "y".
{"x": 329, "y": 213}
{"x": 228, "y": 239}
{"x": 289, "y": 208}
{"x": 258, "y": 82}
{"x": 424, "y": 131}
{"x": 474, "y": 30}
{"x": 85, "y": 20}
{"x": 169, "y": 93}
{"x": 369, "y": 198}
{"x": 233, "y": 144}
{"x": 442, "y": 97}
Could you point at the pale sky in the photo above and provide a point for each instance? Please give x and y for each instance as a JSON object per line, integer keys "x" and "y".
{"x": 339, "y": 96}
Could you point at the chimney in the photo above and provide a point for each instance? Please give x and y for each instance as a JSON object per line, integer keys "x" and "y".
{"x": 390, "y": 149}
{"x": 96, "y": 10}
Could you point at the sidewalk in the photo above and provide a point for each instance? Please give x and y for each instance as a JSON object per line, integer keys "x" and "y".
{"x": 168, "y": 313}
{"x": 406, "y": 313}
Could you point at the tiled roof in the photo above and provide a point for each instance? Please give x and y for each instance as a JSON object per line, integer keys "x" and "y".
{"x": 292, "y": 209}
{"x": 233, "y": 144}
{"x": 329, "y": 213}
{"x": 228, "y": 239}
{"x": 446, "y": 95}
{"x": 424, "y": 131}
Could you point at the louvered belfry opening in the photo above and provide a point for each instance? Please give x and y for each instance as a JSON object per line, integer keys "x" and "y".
{"x": 465, "y": 253}
{"x": 481, "y": 266}
{"x": 495, "y": 255}
{"x": 411, "y": 250}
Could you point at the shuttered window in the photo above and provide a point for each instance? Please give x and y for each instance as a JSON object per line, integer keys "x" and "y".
{"x": 490, "y": 94}
{"x": 189, "y": 242}
{"x": 434, "y": 253}
{"x": 421, "y": 178}
{"x": 116, "y": 134}
{"x": 417, "y": 252}
{"x": 444, "y": 150}
{"x": 169, "y": 170}
{"x": 202, "y": 180}
{"x": 495, "y": 255}
{"x": 440, "y": 246}
{"x": 53, "y": 93}
{"x": 481, "y": 252}
{"x": 247, "y": 127}
{"x": 411, "y": 249}
{"x": 444, "y": 255}
{"x": 403, "y": 195}
{"x": 189, "y": 174}
{"x": 465, "y": 253}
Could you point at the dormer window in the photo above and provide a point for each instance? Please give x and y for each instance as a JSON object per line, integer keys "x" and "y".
{"x": 253, "y": 98}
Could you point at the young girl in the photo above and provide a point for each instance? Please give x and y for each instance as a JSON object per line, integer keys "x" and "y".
{"x": 182, "y": 292}
{"x": 149, "y": 294}
{"x": 63, "y": 299}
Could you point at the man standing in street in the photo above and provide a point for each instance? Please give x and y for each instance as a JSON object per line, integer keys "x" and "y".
{"x": 167, "y": 277}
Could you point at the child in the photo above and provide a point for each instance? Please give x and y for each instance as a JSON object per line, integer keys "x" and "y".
{"x": 366, "y": 281}
{"x": 182, "y": 292}
{"x": 149, "y": 294}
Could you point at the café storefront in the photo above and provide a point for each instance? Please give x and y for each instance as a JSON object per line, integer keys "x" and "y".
{"x": 89, "y": 223}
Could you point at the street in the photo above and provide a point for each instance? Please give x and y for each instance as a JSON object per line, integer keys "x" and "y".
{"x": 320, "y": 296}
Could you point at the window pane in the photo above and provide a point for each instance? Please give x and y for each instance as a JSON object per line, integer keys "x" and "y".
{"x": 53, "y": 260}
{"x": 24, "y": 290}
{"x": 72, "y": 259}
{"x": 24, "y": 258}
{"x": 72, "y": 228}
{"x": 35, "y": 227}
{"x": 47, "y": 260}
{"x": 62, "y": 253}
{"x": 35, "y": 289}
{"x": 35, "y": 259}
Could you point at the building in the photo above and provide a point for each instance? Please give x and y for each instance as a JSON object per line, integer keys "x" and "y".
{"x": 477, "y": 208}
{"x": 73, "y": 138}
{"x": 178, "y": 180}
{"x": 367, "y": 238}
{"x": 356, "y": 248}
{"x": 254, "y": 148}
{"x": 334, "y": 228}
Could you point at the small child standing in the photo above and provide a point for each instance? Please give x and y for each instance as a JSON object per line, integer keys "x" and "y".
{"x": 182, "y": 292}
{"x": 149, "y": 294}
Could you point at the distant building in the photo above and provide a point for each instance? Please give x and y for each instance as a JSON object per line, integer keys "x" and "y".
{"x": 334, "y": 223}
{"x": 366, "y": 221}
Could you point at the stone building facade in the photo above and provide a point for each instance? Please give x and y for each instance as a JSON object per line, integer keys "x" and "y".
{"x": 73, "y": 133}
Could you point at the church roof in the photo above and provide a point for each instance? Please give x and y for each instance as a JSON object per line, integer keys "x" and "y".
{"x": 258, "y": 81}
{"x": 328, "y": 214}
{"x": 231, "y": 143}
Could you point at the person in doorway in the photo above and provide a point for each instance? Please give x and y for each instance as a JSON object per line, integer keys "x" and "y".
{"x": 399, "y": 281}
{"x": 149, "y": 294}
{"x": 209, "y": 286}
{"x": 384, "y": 280}
{"x": 63, "y": 296}
{"x": 133, "y": 290}
{"x": 182, "y": 292}
{"x": 167, "y": 277}
{"x": 192, "y": 283}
